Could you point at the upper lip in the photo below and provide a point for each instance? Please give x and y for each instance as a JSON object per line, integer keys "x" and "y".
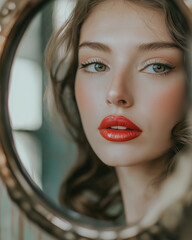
{"x": 112, "y": 120}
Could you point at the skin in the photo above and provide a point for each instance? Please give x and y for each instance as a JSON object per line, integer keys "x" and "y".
{"x": 140, "y": 76}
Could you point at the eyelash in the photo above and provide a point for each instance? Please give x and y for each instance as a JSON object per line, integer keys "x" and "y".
{"x": 168, "y": 67}
{"x": 91, "y": 62}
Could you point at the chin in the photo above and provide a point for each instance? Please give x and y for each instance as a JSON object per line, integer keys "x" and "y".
{"x": 123, "y": 156}
{"x": 121, "y": 163}
{"x": 119, "y": 158}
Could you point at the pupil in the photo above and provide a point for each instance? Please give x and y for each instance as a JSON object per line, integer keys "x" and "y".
{"x": 158, "y": 68}
{"x": 99, "y": 67}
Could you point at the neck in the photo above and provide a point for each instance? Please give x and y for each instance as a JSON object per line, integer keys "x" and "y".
{"x": 138, "y": 188}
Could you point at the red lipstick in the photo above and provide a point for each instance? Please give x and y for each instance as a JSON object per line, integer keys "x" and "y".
{"x": 118, "y": 129}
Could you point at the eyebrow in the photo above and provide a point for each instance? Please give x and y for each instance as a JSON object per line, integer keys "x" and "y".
{"x": 95, "y": 46}
{"x": 143, "y": 47}
{"x": 157, "y": 46}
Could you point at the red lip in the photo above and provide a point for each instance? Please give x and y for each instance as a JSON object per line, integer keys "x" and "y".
{"x": 118, "y": 135}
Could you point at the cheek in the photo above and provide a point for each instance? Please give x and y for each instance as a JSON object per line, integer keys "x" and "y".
{"x": 169, "y": 105}
{"x": 81, "y": 95}
{"x": 85, "y": 98}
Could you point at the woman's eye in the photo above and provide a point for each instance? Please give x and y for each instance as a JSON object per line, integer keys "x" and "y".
{"x": 94, "y": 67}
{"x": 158, "y": 68}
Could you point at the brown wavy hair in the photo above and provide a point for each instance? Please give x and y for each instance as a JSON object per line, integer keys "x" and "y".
{"x": 91, "y": 188}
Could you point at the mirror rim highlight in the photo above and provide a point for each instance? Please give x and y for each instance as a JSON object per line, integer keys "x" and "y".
{"x": 15, "y": 16}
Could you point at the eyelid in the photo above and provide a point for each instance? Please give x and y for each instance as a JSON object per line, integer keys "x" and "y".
{"x": 92, "y": 61}
{"x": 156, "y": 61}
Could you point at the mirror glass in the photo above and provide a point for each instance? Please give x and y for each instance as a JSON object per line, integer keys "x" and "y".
{"x": 43, "y": 145}
{"x": 132, "y": 100}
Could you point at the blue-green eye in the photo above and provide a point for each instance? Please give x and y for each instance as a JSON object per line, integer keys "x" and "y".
{"x": 99, "y": 67}
{"x": 158, "y": 68}
{"x": 94, "y": 67}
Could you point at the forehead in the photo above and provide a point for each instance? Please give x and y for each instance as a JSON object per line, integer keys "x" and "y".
{"x": 126, "y": 20}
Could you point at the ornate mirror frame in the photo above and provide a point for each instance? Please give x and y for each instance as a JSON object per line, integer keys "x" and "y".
{"x": 15, "y": 16}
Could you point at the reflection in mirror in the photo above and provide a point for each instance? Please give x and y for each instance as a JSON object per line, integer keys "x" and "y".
{"x": 118, "y": 73}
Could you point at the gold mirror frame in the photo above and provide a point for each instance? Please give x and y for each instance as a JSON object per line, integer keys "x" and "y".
{"x": 15, "y": 16}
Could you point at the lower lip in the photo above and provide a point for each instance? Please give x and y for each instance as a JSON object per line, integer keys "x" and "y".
{"x": 119, "y": 135}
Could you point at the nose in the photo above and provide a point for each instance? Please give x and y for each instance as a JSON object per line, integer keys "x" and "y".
{"x": 120, "y": 93}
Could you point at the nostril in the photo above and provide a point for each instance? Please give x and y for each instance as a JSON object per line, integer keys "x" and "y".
{"x": 122, "y": 102}
{"x": 108, "y": 102}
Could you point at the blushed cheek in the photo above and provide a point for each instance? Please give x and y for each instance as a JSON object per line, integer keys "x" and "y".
{"x": 80, "y": 94}
{"x": 171, "y": 104}
{"x": 84, "y": 98}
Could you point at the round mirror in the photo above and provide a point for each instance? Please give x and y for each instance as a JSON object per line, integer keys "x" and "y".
{"x": 95, "y": 115}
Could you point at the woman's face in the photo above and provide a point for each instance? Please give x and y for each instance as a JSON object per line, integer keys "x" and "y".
{"x": 130, "y": 83}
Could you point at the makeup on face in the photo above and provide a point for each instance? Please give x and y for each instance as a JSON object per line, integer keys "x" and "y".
{"x": 153, "y": 57}
{"x": 130, "y": 83}
{"x": 118, "y": 129}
